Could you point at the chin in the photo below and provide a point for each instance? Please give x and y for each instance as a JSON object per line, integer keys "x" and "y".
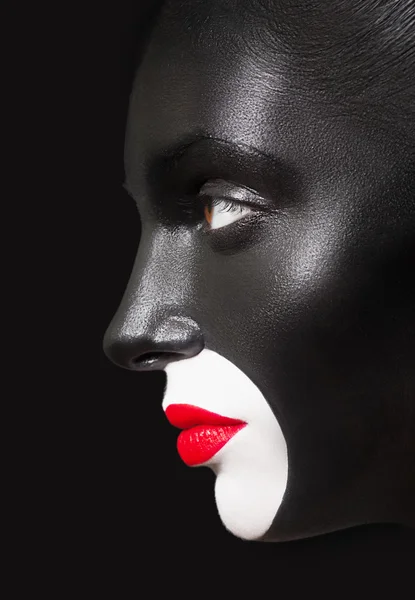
{"x": 229, "y": 427}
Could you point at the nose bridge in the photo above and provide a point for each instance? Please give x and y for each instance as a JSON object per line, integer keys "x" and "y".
{"x": 154, "y": 312}
{"x": 160, "y": 282}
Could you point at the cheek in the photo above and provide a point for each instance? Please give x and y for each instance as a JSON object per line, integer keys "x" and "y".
{"x": 299, "y": 312}
{"x": 310, "y": 303}
{"x": 260, "y": 292}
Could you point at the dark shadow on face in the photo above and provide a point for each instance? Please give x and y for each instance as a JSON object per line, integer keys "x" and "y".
{"x": 307, "y": 117}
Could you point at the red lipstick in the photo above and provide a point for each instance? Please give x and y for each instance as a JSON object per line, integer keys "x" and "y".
{"x": 205, "y": 432}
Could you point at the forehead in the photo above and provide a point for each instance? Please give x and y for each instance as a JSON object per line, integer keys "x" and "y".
{"x": 199, "y": 79}
{"x": 229, "y": 71}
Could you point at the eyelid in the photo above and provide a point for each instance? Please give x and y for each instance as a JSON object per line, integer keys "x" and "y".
{"x": 232, "y": 193}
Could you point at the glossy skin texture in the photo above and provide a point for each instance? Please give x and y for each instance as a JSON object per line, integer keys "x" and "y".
{"x": 311, "y": 294}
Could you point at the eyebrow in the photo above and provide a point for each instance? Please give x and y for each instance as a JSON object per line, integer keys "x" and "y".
{"x": 202, "y": 157}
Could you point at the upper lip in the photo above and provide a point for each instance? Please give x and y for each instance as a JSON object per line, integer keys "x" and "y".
{"x": 185, "y": 416}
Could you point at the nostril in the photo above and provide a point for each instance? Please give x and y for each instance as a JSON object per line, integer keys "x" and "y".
{"x": 147, "y": 357}
{"x": 154, "y": 360}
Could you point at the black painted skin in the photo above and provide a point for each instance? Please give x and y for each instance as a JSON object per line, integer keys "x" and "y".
{"x": 306, "y": 111}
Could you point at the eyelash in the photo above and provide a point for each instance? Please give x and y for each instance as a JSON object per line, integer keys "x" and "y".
{"x": 227, "y": 205}
{"x": 194, "y": 208}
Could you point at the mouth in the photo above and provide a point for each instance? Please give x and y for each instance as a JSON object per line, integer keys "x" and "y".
{"x": 204, "y": 432}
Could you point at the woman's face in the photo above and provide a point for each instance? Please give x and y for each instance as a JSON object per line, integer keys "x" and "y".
{"x": 272, "y": 280}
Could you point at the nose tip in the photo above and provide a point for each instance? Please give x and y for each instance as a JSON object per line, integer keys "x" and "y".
{"x": 174, "y": 339}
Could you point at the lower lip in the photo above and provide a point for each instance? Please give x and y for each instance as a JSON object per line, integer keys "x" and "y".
{"x": 199, "y": 444}
{"x": 205, "y": 432}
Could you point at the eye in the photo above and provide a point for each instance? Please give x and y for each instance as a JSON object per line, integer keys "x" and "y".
{"x": 220, "y": 212}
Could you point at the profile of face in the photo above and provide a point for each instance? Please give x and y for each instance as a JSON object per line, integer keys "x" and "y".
{"x": 270, "y": 148}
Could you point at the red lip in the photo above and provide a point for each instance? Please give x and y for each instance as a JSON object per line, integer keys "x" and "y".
{"x": 205, "y": 432}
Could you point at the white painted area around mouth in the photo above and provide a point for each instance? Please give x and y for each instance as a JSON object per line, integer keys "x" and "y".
{"x": 252, "y": 468}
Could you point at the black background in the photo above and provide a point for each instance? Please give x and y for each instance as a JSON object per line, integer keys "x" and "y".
{"x": 143, "y": 515}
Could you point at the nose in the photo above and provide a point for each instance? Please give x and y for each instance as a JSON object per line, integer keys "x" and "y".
{"x": 153, "y": 348}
